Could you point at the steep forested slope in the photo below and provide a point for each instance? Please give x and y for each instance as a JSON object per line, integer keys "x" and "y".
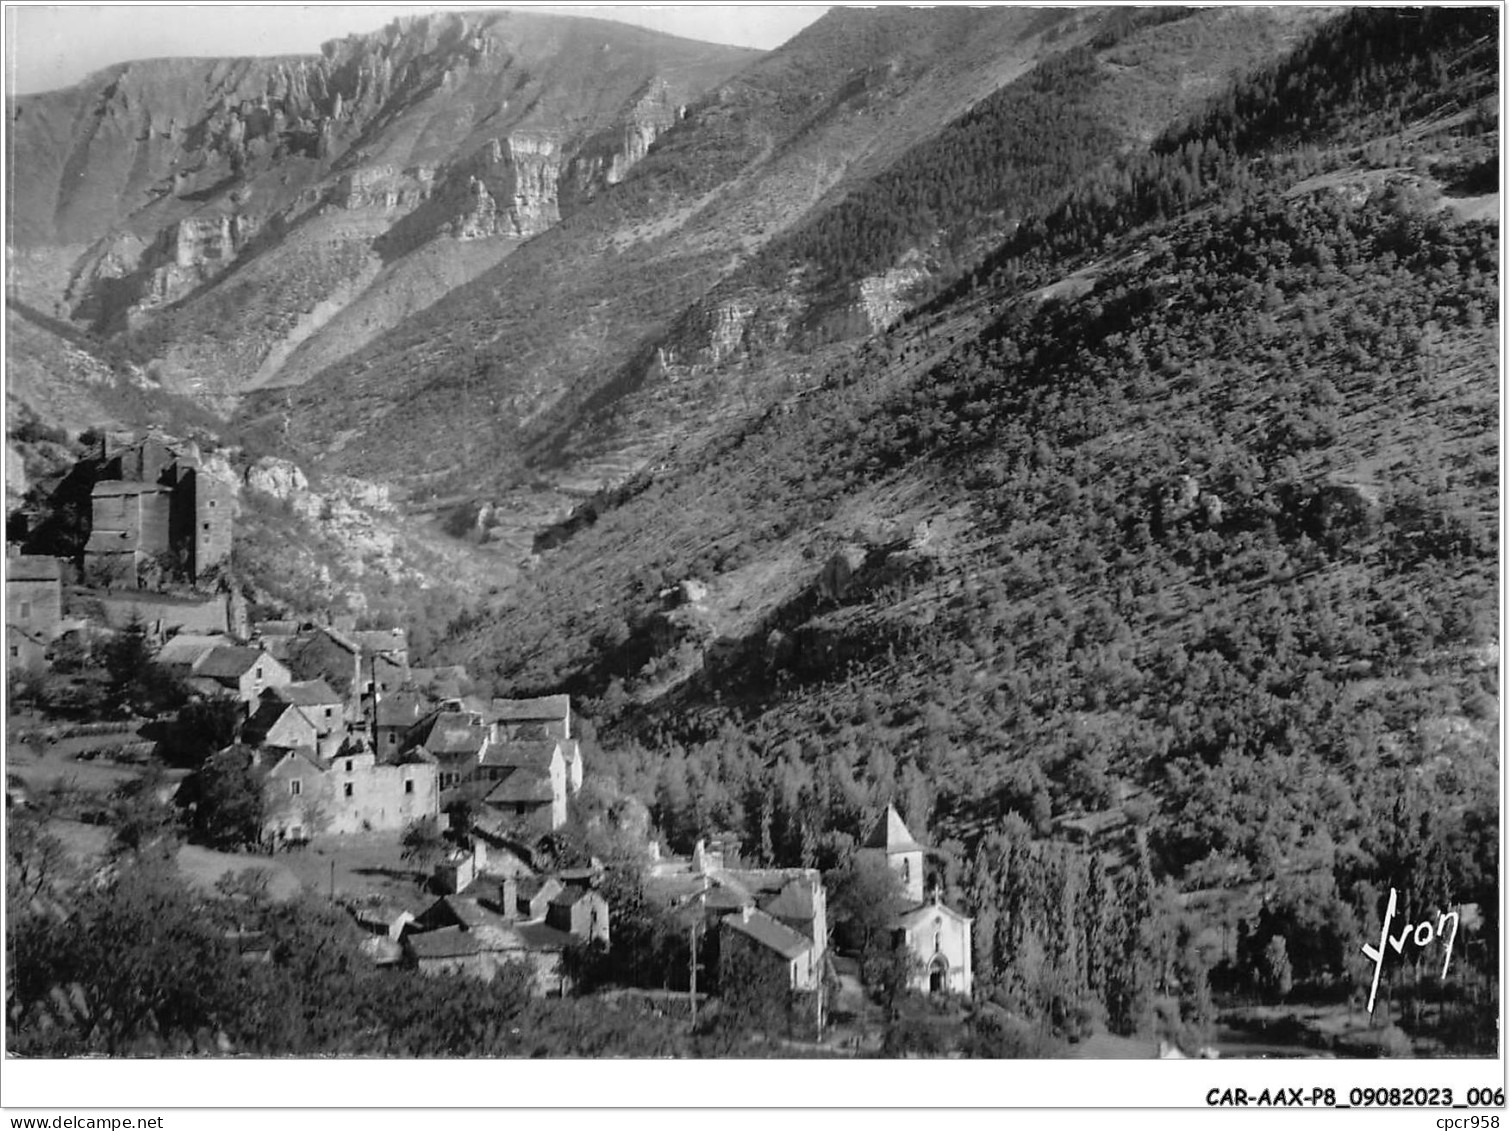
{"x": 1198, "y": 541}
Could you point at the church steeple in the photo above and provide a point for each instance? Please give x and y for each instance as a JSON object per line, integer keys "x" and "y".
{"x": 904, "y": 854}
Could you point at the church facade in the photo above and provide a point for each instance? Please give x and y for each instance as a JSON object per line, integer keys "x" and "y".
{"x": 938, "y": 937}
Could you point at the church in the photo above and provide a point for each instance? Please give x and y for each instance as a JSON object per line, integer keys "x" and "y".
{"x": 937, "y": 936}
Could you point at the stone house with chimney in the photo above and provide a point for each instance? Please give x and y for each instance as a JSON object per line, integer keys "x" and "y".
{"x": 709, "y": 889}
{"x": 393, "y": 716}
{"x": 465, "y": 934}
{"x": 242, "y": 673}
{"x": 484, "y": 755}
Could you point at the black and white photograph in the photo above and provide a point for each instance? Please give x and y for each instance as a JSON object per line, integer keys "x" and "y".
{"x": 904, "y": 533}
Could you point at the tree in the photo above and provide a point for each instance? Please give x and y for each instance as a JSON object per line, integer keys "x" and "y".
{"x": 1274, "y": 975}
{"x": 865, "y": 895}
{"x": 423, "y": 845}
{"x": 126, "y": 657}
{"x": 148, "y": 970}
{"x": 137, "y": 684}
{"x": 142, "y": 820}
{"x": 755, "y": 993}
{"x": 230, "y": 800}
{"x": 37, "y": 863}
{"x": 202, "y": 727}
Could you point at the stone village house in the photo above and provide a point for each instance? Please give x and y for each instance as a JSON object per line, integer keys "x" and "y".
{"x": 33, "y": 608}
{"x": 351, "y": 792}
{"x": 775, "y": 915}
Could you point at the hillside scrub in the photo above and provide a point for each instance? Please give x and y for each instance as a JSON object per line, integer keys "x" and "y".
{"x": 1231, "y": 576}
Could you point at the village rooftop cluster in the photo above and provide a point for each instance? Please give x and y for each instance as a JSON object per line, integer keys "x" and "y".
{"x": 348, "y": 738}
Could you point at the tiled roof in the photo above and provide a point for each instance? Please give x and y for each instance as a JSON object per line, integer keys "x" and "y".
{"x": 925, "y": 911}
{"x": 531, "y": 710}
{"x": 447, "y": 942}
{"x": 525, "y": 755}
{"x": 274, "y": 759}
{"x": 448, "y": 732}
{"x": 204, "y": 686}
{"x": 263, "y": 719}
{"x": 187, "y": 648}
{"x": 522, "y": 787}
{"x": 538, "y": 936}
{"x": 411, "y": 757}
{"x": 32, "y": 567}
{"x": 891, "y": 834}
{"x": 383, "y": 915}
{"x": 308, "y": 693}
{"x": 401, "y": 708}
{"x": 468, "y": 912}
{"x": 280, "y": 648}
{"x": 794, "y": 902}
{"x": 227, "y": 663}
{"x": 769, "y": 933}
{"x": 531, "y": 886}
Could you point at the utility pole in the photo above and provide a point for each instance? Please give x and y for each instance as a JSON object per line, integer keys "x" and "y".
{"x": 702, "y": 900}
{"x": 818, "y": 998}
{"x": 692, "y": 980}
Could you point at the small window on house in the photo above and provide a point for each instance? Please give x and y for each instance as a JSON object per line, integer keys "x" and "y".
{"x": 212, "y": 507}
{"x": 346, "y": 789}
{"x": 26, "y": 610}
{"x": 408, "y": 785}
{"x": 15, "y": 651}
{"x": 258, "y": 673}
{"x": 348, "y": 765}
{"x": 327, "y": 712}
{"x": 207, "y": 526}
{"x": 295, "y": 788}
{"x": 392, "y": 738}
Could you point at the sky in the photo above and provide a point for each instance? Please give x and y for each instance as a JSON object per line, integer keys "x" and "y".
{"x": 50, "y": 46}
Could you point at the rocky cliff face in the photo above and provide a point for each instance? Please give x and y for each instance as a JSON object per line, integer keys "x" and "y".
{"x": 510, "y": 188}
{"x": 238, "y": 191}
